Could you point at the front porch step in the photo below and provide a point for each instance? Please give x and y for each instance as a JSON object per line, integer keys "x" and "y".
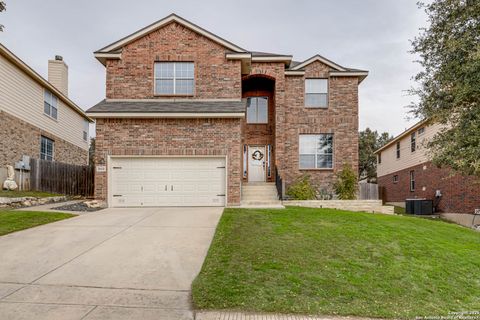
{"x": 260, "y": 194}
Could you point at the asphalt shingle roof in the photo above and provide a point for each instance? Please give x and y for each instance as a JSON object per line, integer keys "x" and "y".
{"x": 173, "y": 106}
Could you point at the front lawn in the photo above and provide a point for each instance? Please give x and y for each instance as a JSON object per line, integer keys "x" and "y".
{"x": 332, "y": 262}
{"x": 12, "y": 220}
{"x": 18, "y": 194}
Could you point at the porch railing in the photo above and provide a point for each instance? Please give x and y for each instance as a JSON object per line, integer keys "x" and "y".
{"x": 280, "y": 184}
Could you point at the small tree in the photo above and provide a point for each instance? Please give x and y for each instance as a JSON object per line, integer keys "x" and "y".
{"x": 91, "y": 152}
{"x": 346, "y": 184}
{"x": 3, "y": 7}
{"x": 302, "y": 189}
{"x": 368, "y": 142}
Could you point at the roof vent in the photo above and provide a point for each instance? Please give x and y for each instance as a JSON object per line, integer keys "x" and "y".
{"x": 59, "y": 58}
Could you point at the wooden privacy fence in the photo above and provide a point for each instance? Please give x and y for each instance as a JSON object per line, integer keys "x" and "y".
{"x": 62, "y": 178}
{"x": 368, "y": 191}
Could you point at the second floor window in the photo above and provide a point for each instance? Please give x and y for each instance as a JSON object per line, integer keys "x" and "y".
{"x": 50, "y": 104}
{"x": 174, "y": 78}
{"x": 316, "y": 93}
{"x": 413, "y": 142}
{"x": 379, "y": 158}
{"x": 398, "y": 150}
{"x": 46, "y": 148}
{"x": 257, "y": 110}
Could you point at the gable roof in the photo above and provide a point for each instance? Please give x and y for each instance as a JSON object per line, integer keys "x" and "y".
{"x": 403, "y": 134}
{"x": 111, "y": 48}
{"x": 323, "y": 60}
{"x": 114, "y": 51}
{"x": 40, "y": 80}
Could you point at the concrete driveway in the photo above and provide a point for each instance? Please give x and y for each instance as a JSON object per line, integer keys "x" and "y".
{"x": 112, "y": 264}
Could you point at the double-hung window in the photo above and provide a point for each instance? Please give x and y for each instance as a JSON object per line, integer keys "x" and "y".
{"x": 398, "y": 150}
{"x": 412, "y": 180}
{"x": 50, "y": 104}
{"x": 174, "y": 78}
{"x": 257, "y": 110}
{"x": 46, "y": 148}
{"x": 316, "y": 151}
{"x": 316, "y": 93}
{"x": 86, "y": 126}
{"x": 413, "y": 142}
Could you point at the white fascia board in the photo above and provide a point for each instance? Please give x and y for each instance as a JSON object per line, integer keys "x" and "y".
{"x": 349, "y": 74}
{"x": 95, "y": 115}
{"x": 238, "y": 56}
{"x": 272, "y": 59}
{"x": 108, "y": 55}
{"x": 165, "y": 21}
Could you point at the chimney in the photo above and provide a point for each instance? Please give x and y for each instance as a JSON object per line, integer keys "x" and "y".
{"x": 58, "y": 74}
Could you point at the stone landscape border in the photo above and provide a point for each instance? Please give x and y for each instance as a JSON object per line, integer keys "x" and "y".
{"x": 351, "y": 205}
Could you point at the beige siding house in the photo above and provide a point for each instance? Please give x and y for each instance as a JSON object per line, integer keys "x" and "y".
{"x": 37, "y": 119}
{"x": 405, "y": 171}
{"x": 388, "y": 154}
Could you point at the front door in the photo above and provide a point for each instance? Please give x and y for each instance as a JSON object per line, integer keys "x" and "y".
{"x": 256, "y": 164}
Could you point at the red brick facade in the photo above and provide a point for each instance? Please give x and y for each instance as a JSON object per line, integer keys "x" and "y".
{"x": 340, "y": 119}
{"x": 216, "y": 77}
{"x": 132, "y": 77}
{"x": 459, "y": 193}
{"x": 18, "y": 138}
{"x": 183, "y": 137}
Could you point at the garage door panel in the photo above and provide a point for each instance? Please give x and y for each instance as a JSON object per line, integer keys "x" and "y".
{"x": 168, "y": 181}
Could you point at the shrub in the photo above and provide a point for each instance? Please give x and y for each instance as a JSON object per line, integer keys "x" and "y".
{"x": 302, "y": 189}
{"x": 346, "y": 184}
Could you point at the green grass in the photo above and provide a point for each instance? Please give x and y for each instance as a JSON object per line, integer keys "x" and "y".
{"x": 12, "y": 220}
{"x": 324, "y": 261}
{"x": 16, "y": 194}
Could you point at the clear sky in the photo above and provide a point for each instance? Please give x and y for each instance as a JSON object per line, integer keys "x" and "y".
{"x": 365, "y": 34}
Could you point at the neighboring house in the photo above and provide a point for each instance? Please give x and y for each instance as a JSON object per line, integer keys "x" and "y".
{"x": 37, "y": 119}
{"x": 189, "y": 117}
{"x": 404, "y": 170}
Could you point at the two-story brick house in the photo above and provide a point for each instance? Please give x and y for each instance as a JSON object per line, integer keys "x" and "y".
{"x": 189, "y": 118}
{"x": 37, "y": 118}
{"x": 405, "y": 171}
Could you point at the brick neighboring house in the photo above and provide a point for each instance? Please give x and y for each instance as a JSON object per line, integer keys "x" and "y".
{"x": 190, "y": 118}
{"x": 404, "y": 170}
{"x": 37, "y": 119}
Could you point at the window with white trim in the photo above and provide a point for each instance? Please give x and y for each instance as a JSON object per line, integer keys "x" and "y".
{"x": 395, "y": 178}
{"x": 46, "y": 148}
{"x": 412, "y": 180}
{"x": 413, "y": 142}
{"x": 86, "y": 126}
{"x": 316, "y": 151}
{"x": 50, "y": 104}
{"x": 316, "y": 93}
{"x": 174, "y": 78}
{"x": 257, "y": 110}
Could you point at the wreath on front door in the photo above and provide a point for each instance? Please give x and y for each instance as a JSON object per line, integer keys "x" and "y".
{"x": 257, "y": 155}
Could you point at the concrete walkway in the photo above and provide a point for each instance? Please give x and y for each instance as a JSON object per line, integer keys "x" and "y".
{"x": 111, "y": 264}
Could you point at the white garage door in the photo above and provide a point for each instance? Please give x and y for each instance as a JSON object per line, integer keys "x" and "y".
{"x": 151, "y": 182}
